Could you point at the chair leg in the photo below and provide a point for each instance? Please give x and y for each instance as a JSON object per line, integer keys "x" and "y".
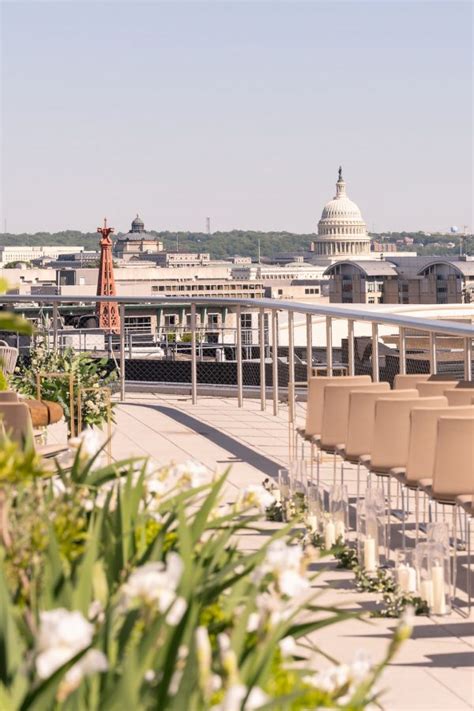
{"x": 403, "y": 518}
{"x": 468, "y": 522}
{"x": 455, "y": 553}
{"x": 417, "y": 515}
{"x": 389, "y": 517}
{"x": 334, "y": 469}
{"x": 311, "y": 455}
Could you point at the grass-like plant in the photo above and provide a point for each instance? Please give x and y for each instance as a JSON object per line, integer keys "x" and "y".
{"x": 127, "y": 587}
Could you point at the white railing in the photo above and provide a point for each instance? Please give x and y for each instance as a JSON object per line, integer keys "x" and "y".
{"x": 405, "y": 324}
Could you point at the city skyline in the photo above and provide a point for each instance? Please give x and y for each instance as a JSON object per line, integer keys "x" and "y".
{"x": 240, "y": 112}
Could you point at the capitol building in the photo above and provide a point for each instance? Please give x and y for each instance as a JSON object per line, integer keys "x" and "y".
{"x": 342, "y": 233}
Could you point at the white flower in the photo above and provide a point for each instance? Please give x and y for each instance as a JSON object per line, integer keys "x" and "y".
{"x": 256, "y": 496}
{"x": 235, "y": 695}
{"x": 154, "y": 584}
{"x": 191, "y": 474}
{"x": 288, "y": 646}
{"x": 88, "y": 442}
{"x": 285, "y": 563}
{"x": 62, "y": 634}
{"x": 92, "y": 662}
{"x": 256, "y": 699}
{"x": 175, "y": 614}
{"x": 150, "y": 676}
{"x": 253, "y": 622}
{"x": 337, "y": 677}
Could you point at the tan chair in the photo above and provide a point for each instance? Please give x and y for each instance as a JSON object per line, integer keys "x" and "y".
{"x": 392, "y": 432}
{"x": 8, "y": 396}
{"x": 335, "y": 414}
{"x": 391, "y": 438}
{"x": 453, "y": 474}
{"x": 314, "y": 409}
{"x": 421, "y": 448}
{"x": 360, "y": 423}
{"x": 453, "y": 471}
{"x": 435, "y": 387}
{"x": 315, "y": 403}
{"x": 457, "y": 398}
{"x": 465, "y": 503}
{"x": 403, "y": 381}
{"x": 17, "y": 423}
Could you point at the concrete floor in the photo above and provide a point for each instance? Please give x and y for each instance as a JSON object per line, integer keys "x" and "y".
{"x": 434, "y": 669}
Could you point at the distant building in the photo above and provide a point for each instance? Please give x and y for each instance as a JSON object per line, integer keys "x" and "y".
{"x": 341, "y": 229}
{"x": 181, "y": 259}
{"x": 137, "y": 242}
{"x": 402, "y": 280}
{"x": 22, "y": 253}
{"x": 383, "y": 246}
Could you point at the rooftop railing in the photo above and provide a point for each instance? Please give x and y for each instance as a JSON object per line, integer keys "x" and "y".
{"x": 263, "y": 358}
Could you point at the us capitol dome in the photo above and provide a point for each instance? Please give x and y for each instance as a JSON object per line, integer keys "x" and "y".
{"x": 341, "y": 229}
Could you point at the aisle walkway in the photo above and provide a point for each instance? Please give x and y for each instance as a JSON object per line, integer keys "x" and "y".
{"x": 435, "y": 668}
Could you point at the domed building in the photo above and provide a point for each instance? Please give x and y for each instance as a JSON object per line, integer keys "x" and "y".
{"x": 137, "y": 242}
{"x": 341, "y": 229}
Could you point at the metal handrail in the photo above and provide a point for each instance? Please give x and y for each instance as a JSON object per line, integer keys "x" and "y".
{"x": 414, "y": 322}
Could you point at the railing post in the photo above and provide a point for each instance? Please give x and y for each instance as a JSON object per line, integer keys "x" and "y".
{"x": 468, "y": 359}
{"x": 240, "y": 389}
{"x": 122, "y": 351}
{"x": 309, "y": 346}
{"x": 291, "y": 366}
{"x": 433, "y": 364}
{"x": 193, "y": 356}
{"x": 350, "y": 347}
{"x": 55, "y": 325}
{"x": 402, "y": 351}
{"x": 328, "y": 345}
{"x": 375, "y": 353}
{"x": 261, "y": 329}
{"x": 275, "y": 360}
{"x": 130, "y": 347}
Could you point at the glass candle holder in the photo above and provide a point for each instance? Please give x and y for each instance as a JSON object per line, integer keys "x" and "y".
{"x": 438, "y": 532}
{"x": 315, "y": 512}
{"x": 284, "y": 484}
{"x": 423, "y": 573}
{"x": 339, "y": 510}
{"x": 439, "y": 562}
{"x": 405, "y": 570}
{"x": 329, "y": 532}
{"x": 367, "y": 536}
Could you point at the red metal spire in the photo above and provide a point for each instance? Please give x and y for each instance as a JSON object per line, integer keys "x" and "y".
{"x": 107, "y": 311}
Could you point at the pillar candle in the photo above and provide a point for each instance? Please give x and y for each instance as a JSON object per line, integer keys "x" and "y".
{"x": 370, "y": 562}
{"x": 439, "y": 597}
{"x": 426, "y": 592}
{"x": 340, "y": 530}
{"x": 329, "y": 535}
{"x": 312, "y": 522}
{"x": 406, "y": 576}
{"x": 285, "y": 491}
{"x": 277, "y": 494}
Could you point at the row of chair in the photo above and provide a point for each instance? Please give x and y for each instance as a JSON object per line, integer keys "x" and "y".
{"x": 420, "y": 434}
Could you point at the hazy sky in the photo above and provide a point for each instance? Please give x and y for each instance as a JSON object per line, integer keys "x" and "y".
{"x": 242, "y": 111}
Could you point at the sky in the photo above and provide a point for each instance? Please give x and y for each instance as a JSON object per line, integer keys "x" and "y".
{"x": 240, "y": 111}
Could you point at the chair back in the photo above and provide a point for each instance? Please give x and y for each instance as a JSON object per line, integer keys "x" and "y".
{"x": 392, "y": 430}
{"x": 403, "y": 381}
{"x": 314, "y": 405}
{"x": 453, "y": 472}
{"x": 434, "y": 388}
{"x": 16, "y": 420}
{"x": 459, "y": 396}
{"x": 336, "y": 410}
{"x": 8, "y": 396}
{"x": 361, "y": 416}
{"x": 422, "y": 440}
{"x": 8, "y": 357}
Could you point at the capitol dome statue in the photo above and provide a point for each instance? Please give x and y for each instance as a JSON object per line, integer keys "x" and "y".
{"x": 341, "y": 229}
